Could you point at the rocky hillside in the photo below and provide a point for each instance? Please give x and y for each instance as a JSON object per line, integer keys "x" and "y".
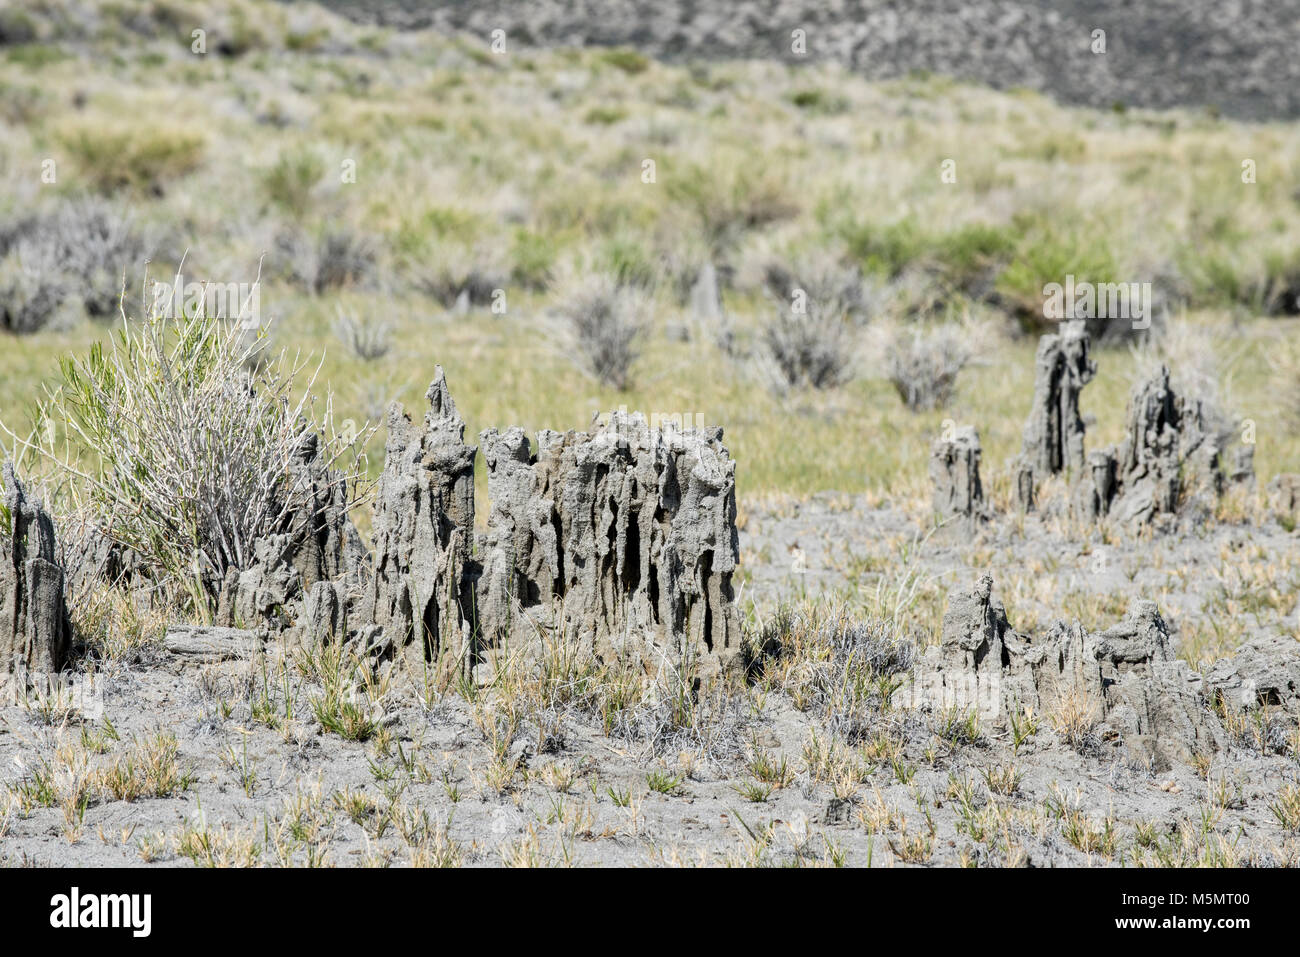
{"x": 1235, "y": 56}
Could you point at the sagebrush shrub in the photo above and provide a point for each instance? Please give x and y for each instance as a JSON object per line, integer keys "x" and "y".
{"x": 366, "y": 338}
{"x": 462, "y": 274}
{"x": 814, "y": 347}
{"x": 98, "y": 246}
{"x": 343, "y": 258}
{"x": 607, "y": 322}
{"x": 336, "y": 259}
{"x": 837, "y": 288}
{"x": 924, "y": 364}
{"x": 32, "y": 286}
{"x": 83, "y": 250}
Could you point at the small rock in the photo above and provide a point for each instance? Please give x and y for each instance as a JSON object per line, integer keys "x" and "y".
{"x": 212, "y": 644}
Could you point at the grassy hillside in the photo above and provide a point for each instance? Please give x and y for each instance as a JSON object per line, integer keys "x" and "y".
{"x": 374, "y": 177}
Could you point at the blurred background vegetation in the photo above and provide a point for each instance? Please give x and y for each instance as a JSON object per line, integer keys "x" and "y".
{"x": 389, "y": 188}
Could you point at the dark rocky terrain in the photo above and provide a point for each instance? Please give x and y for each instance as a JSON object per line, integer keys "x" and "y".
{"x": 1237, "y": 57}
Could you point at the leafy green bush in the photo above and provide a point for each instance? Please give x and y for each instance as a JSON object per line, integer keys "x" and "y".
{"x": 1049, "y": 256}
{"x": 819, "y": 102}
{"x": 884, "y": 248}
{"x": 532, "y": 257}
{"x": 290, "y": 182}
{"x": 626, "y": 258}
{"x": 605, "y": 115}
{"x": 970, "y": 257}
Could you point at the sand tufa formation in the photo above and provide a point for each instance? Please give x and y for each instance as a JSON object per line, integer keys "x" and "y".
{"x": 421, "y": 592}
{"x": 955, "y": 474}
{"x": 1177, "y": 456}
{"x": 622, "y": 540}
{"x": 1121, "y": 687}
{"x": 1053, "y": 436}
{"x": 319, "y": 544}
{"x": 1173, "y": 452}
{"x": 34, "y": 631}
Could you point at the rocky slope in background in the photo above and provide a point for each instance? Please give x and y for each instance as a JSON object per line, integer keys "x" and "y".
{"x": 1236, "y": 56}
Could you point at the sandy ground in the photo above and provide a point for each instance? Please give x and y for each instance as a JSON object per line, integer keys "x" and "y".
{"x": 427, "y": 788}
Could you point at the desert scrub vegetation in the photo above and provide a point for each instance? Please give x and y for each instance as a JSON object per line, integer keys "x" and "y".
{"x": 143, "y": 161}
{"x": 1285, "y": 365}
{"x": 442, "y": 214}
{"x": 79, "y": 773}
{"x": 32, "y": 287}
{"x": 174, "y": 449}
{"x": 334, "y": 259}
{"x": 366, "y": 337}
{"x": 924, "y": 364}
{"x": 730, "y": 196}
{"x": 81, "y": 250}
{"x": 831, "y": 662}
{"x": 606, "y": 323}
{"x": 292, "y": 182}
{"x": 813, "y": 346}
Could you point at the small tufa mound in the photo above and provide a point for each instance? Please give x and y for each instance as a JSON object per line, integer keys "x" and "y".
{"x": 1123, "y": 684}
{"x": 1177, "y": 450}
{"x": 421, "y": 594}
{"x": 1097, "y": 486}
{"x": 1262, "y": 673}
{"x": 1053, "y": 436}
{"x": 622, "y": 540}
{"x": 1173, "y": 451}
{"x": 955, "y": 473}
{"x": 35, "y": 634}
{"x": 324, "y": 614}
